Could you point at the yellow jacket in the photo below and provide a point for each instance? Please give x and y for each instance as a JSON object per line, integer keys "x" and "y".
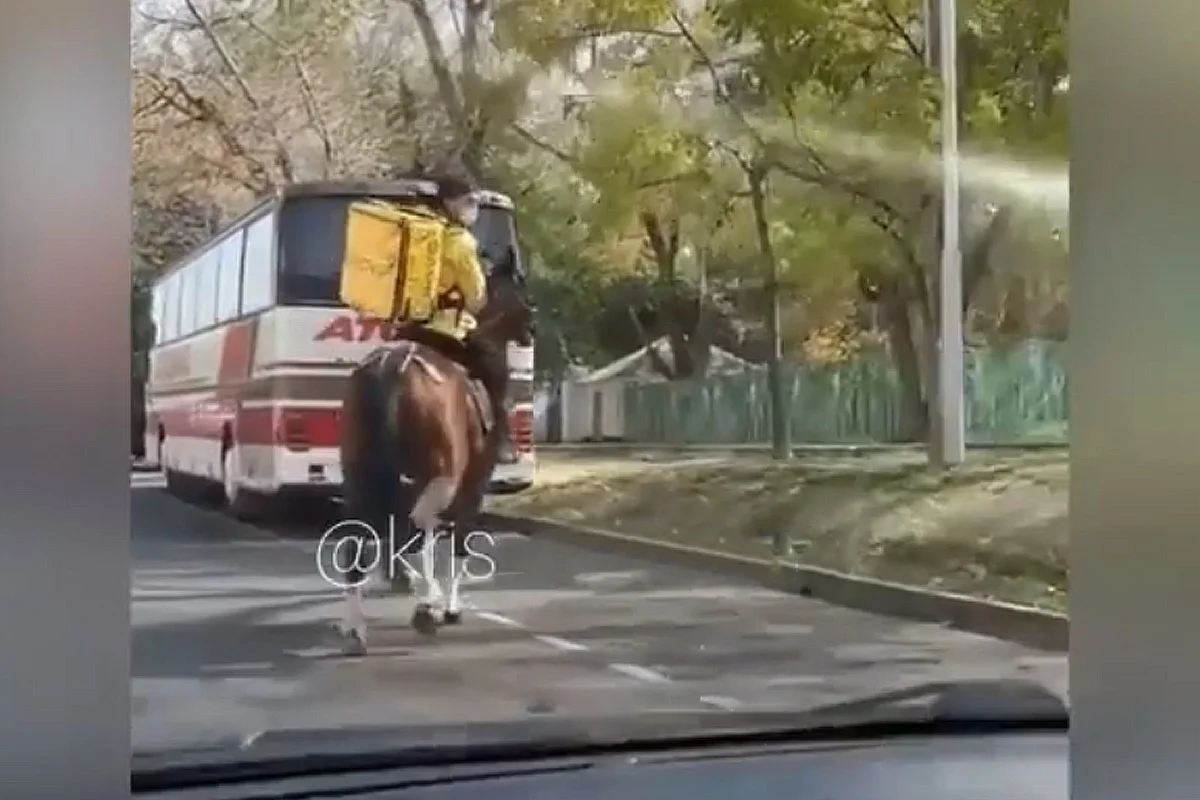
{"x": 463, "y": 278}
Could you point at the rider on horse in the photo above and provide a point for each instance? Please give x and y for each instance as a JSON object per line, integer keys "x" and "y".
{"x": 462, "y": 293}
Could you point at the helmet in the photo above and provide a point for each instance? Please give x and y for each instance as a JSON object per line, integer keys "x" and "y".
{"x": 454, "y": 186}
{"x": 457, "y": 195}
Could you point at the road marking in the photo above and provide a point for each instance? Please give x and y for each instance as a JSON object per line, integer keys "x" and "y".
{"x": 561, "y": 644}
{"x": 245, "y": 666}
{"x": 721, "y": 702}
{"x": 795, "y": 680}
{"x": 150, "y": 482}
{"x": 638, "y": 672}
{"x": 593, "y": 578}
{"x": 248, "y": 740}
{"x": 500, "y": 619}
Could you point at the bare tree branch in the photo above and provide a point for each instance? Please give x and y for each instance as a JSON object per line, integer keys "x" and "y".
{"x": 283, "y": 159}
{"x": 439, "y": 65}
{"x": 528, "y": 137}
{"x": 311, "y": 105}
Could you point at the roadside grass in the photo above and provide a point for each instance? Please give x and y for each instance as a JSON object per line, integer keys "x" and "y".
{"x": 996, "y": 527}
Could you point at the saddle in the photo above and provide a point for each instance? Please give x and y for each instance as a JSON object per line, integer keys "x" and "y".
{"x": 451, "y": 349}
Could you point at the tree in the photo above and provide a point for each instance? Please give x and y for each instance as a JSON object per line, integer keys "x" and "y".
{"x": 142, "y": 338}
{"x": 831, "y": 70}
{"x": 702, "y": 176}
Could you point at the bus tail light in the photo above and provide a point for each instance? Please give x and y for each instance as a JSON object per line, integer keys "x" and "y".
{"x": 520, "y": 421}
{"x": 291, "y": 429}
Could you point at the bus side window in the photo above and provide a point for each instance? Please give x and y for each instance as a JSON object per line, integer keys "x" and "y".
{"x": 258, "y": 265}
{"x": 229, "y": 277}
{"x": 206, "y": 289}
{"x": 156, "y": 313}
{"x": 187, "y": 299}
{"x": 171, "y": 308}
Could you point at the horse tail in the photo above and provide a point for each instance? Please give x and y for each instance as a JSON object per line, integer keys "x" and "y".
{"x": 396, "y": 471}
{"x": 375, "y": 468}
{"x": 367, "y": 473}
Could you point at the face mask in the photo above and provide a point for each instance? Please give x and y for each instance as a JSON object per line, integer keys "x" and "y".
{"x": 465, "y": 211}
{"x": 468, "y": 214}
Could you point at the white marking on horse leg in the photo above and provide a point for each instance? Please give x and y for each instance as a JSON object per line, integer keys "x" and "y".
{"x": 454, "y": 604}
{"x": 433, "y": 501}
{"x": 354, "y": 618}
{"x": 433, "y": 587}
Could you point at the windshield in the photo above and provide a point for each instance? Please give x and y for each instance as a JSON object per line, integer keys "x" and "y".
{"x": 723, "y": 490}
{"x": 313, "y": 235}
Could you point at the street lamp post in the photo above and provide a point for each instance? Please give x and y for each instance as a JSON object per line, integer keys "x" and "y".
{"x": 950, "y": 437}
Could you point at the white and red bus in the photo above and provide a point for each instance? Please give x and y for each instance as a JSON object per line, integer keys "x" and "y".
{"x": 253, "y": 346}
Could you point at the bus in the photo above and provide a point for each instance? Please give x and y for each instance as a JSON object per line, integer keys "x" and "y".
{"x": 252, "y": 347}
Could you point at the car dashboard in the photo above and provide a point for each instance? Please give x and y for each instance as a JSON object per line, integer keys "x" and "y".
{"x": 996, "y": 766}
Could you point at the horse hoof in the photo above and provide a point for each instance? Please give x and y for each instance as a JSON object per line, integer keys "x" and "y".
{"x": 424, "y": 621}
{"x": 354, "y": 644}
{"x": 452, "y": 618}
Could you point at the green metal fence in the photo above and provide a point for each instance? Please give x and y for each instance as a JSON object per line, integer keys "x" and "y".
{"x": 1013, "y": 394}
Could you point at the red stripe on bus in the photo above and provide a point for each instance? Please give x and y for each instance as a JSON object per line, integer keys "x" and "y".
{"x": 292, "y": 427}
{"x": 297, "y": 428}
{"x": 237, "y": 351}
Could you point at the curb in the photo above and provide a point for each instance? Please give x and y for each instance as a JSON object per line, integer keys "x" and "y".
{"x": 798, "y": 451}
{"x": 1041, "y": 630}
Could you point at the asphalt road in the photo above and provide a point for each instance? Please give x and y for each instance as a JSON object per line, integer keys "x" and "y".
{"x": 233, "y": 636}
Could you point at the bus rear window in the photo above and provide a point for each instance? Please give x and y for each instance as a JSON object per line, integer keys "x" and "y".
{"x": 312, "y": 234}
{"x": 313, "y": 237}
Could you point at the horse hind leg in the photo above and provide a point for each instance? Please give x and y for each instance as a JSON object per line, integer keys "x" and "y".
{"x": 353, "y": 625}
{"x": 453, "y": 615}
{"x": 401, "y": 576}
{"x": 465, "y": 517}
{"x": 461, "y": 531}
{"x": 404, "y": 540}
{"x": 426, "y": 518}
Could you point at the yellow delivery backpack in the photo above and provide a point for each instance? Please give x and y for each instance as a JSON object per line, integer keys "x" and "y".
{"x": 392, "y": 261}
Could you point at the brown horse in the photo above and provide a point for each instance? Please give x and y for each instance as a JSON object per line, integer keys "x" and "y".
{"x": 417, "y": 451}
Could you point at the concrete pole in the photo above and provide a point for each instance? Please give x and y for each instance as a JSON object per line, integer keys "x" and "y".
{"x": 948, "y": 435}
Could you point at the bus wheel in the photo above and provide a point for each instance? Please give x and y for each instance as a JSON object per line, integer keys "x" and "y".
{"x": 176, "y": 482}
{"x": 239, "y": 502}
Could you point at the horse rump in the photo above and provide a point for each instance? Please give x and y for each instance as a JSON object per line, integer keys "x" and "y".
{"x": 374, "y": 494}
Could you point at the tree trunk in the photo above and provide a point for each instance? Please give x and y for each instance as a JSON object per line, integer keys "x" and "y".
{"x": 781, "y": 435}
{"x": 903, "y": 345}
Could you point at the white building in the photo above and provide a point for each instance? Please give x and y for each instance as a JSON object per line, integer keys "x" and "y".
{"x": 593, "y": 403}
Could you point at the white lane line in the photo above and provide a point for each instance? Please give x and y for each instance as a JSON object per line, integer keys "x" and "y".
{"x": 500, "y": 619}
{"x": 561, "y": 644}
{"x": 640, "y": 673}
{"x": 721, "y": 702}
{"x": 796, "y": 680}
{"x": 245, "y": 666}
